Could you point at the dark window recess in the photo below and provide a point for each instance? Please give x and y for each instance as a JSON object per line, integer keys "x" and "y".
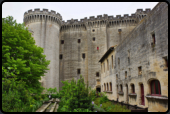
{"x": 97, "y": 48}
{"x": 155, "y": 87}
{"x": 140, "y": 70}
{"x": 79, "y": 40}
{"x": 93, "y": 38}
{"x": 93, "y": 30}
{"x": 166, "y": 61}
{"x": 83, "y": 55}
{"x": 133, "y": 88}
{"x": 121, "y": 88}
{"x": 153, "y": 38}
{"x": 62, "y": 41}
{"x": 61, "y": 56}
{"x": 119, "y": 30}
{"x": 97, "y": 74}
{"x": 125, "y": 74}
{"x": 78, "y": 71}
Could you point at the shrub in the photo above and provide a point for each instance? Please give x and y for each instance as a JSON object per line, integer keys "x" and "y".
{"x": 103, "y": 99}
{"x": 75, "y": 95}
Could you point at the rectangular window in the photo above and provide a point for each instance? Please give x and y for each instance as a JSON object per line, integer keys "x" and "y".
{"x": 78, "y": 71}
{"x": 79, "y": 40}
{"x": 107, "y": 64}
{"x": 101, "y": 69}
{"x": 93, "y": 38}
{"x": 83, "y": 55}
{"x": 112, "y": 61}
{"x": 97, "y": 74}
{"x": 62, "y": 41}
{"x": 153, "y": 38}
{"x": 116, "y": 76}
{"x": 140, "y": 70}
{"x": 165, "y": 61}
{"x": 104, "y": 67}
{"x": 61, "y": 56}
{"x": 125, "y": 74}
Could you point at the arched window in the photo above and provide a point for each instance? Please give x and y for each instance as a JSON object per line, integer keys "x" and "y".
{"x": 110, "y": 86}
{"x": 155, "y": 88}
{"x": 133, "y": 88}
{"x": 121, "y": 88}
{"x": 107, "y": 87}
{"x": 104, "y": 87}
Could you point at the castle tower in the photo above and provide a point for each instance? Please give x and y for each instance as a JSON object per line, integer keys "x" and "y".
{"x": 46, "y": 26}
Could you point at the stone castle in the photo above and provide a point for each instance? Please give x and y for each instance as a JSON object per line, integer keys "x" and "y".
{"x": 127, "y": 57}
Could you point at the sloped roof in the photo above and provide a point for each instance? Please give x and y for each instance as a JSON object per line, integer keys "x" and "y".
{"x": 107, "y": 53}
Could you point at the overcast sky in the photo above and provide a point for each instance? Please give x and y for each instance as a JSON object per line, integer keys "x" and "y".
{"x": 75, "y": 10}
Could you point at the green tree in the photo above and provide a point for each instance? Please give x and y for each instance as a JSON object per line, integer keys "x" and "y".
{"x": 20, "y": 55}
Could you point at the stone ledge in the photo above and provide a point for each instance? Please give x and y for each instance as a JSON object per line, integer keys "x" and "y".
{"x": 157, "y": 97}
{"x": 120, "y": 93}
{"x": 132, "y": 94}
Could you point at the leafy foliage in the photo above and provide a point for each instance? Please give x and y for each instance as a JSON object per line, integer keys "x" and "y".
{"x": 20, "y": 55}
{"x": 75, "y": 95}
{"x": 23, "y": 64}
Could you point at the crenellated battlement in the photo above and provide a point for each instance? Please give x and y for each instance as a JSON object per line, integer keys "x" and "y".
{"x": 44, "y": 15}
{"x": 43, "y": 12}
{"x": 108, "y": 18}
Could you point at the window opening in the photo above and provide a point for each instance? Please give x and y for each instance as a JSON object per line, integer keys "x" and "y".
{"x": 155, "y": 87}
{"x": 133, "y": 88}
{"x": 112, "y": 61}
{"x": 140, "y": 70}
{"x": 165, "y": 61}
{"x": 83, "y": 55}
{"x": 93, "y": 38}
{"x": 125, "y": 74}
{"x": 97, "y": 74}
{"x": 62, "y": 41}
{"x": 61, "y": 56}
{"x": 78, "y": 71}
{"x": 79, "y": 40}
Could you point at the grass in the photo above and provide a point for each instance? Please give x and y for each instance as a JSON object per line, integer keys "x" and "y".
{"x": 109, "y": 107}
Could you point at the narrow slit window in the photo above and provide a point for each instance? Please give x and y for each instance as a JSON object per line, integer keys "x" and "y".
{"x": 78, "y": 71}
{"x": 153, "y": 39}
{"x": 97, "y": 74}
{"x": 165, "y": 61}
{"x": 121, "y": 88}
{"x": 79, "y": 40}
{"x": 112, "y": 61}
{"x": 125, "y": 74}
{"x": 133, "y": 88}
{"x": 83, "y": 55}
{"x": 93, "y": 38}
{"x": 140, "y": 70}
{"x": 61, "y": 56}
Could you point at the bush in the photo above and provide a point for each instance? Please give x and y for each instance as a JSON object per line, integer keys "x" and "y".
{"x": 14, "y": 95}
{"x": 75, "y": 95}
{"x": 55, "y": 96}
{"x": 103, "y": 99}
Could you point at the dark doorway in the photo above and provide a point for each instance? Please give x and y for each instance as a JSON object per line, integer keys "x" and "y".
{"x": 98, "y": 89}
{"x": 142, "y": 95}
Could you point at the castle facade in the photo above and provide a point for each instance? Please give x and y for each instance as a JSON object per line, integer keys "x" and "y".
{"x": 127, "y": 57}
